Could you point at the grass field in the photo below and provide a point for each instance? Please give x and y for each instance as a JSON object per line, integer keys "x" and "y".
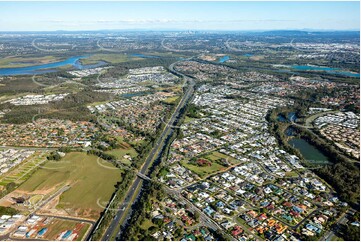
{"x": 203, "y": 171}
{"x": 215, "y": 156}
{"x": 124, "y": 149}
{"x": 188, "y": 119}
{"x": 146, "y": 224}
{"x": 171, "y": 100}
{"x": 89, "y": 182}
{"x": 111, "y": 58}
{"x": 291, "y": 174}
{"x": 11, "y": 62}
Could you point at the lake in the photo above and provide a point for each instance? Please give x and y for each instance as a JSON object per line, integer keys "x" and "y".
{"x": 46, "y": 68}
{"x": 326, "y": 69}
{"x": 308, "y": 151}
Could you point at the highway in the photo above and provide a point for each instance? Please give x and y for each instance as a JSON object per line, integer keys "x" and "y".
{"x": 124, "y": 211}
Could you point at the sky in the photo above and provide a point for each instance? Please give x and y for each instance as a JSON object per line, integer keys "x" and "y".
{"x": 51, "y": 16}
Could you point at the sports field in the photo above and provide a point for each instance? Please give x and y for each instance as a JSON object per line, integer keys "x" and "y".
{"x": 91, "y": 181}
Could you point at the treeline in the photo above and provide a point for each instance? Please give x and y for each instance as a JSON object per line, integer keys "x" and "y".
{"x": 344, "y": 177}
{"x": 8, "y": 211}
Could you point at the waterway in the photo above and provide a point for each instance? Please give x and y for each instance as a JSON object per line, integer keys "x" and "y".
{"x": 223, "y": 59}
{"x": 291, "y": 117}
{"x": 50, "y": 67}
{"x": 329, "y": 70}
{"x": 308, "y": 151}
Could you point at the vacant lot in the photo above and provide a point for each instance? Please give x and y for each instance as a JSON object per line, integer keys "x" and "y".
{"x": 90, "y": 179}
{"x": 58, "y": 226}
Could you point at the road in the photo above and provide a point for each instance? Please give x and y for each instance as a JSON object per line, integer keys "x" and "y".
{"x": 124, "y": 211}
{"x": 43, "y": 203}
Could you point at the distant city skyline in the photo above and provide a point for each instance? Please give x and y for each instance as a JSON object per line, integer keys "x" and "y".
{"x": 241, "y": 16}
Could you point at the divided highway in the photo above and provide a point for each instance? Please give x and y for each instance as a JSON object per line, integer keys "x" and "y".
{"x": 124, "y": 212}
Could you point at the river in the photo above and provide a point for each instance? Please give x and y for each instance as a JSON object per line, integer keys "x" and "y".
{"x": 308, "y": 151}
{"x": 50, "y": 67}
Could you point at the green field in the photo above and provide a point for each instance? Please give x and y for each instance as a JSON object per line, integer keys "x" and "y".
{"x": 203, "y": 171}
{"x": 216, "y": 156}
{"x": 171, "y": 100}
{"x": 124, "y": 149}
{"x": 111, "y": 58}
{"x": 188, "y": 119}
{"x": 146, "y": 224}
{"x": 90, "y": 181}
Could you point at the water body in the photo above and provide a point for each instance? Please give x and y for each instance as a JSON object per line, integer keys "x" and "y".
{"x": 223, "y": 59}
{"x": 281, "y": 118}
{"x": 46, "y": 68}
{"x": 329, "y": 70}
{"x": 308, "y": 151}
{"x": 145, "y": 56}
{"x": 291, "y": 117}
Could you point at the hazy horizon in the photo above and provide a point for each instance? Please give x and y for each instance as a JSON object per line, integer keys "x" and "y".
{"x": 179, "y": 16}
